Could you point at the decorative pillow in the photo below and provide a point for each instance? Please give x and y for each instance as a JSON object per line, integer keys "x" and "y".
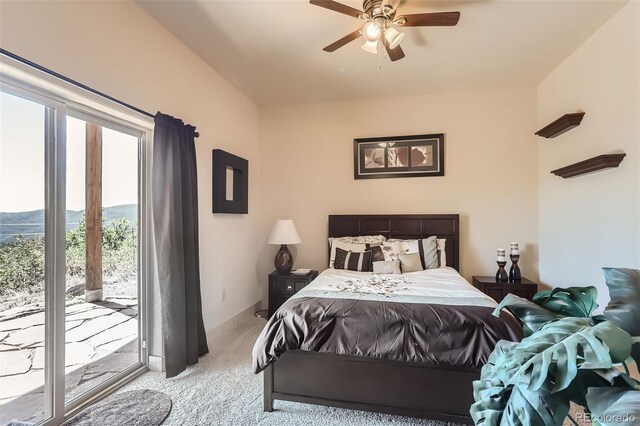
{"x": 361, "y": 239}
{"x": 392, "y": 249}
{"x": 429, "y": 253}
{"x": 410, "y": 262}
{"x": 346, "y": 247}
{"x": 353, "y": 261}
{"x": 427, "y": 248}
{"x": 442, "y": 255}
{"x": 350, "y": 244}
{"x": 377, "y": 255}
{"x": 387, "y": 267}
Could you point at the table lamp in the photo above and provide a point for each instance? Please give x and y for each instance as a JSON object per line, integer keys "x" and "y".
{"x": 284, "y": 232}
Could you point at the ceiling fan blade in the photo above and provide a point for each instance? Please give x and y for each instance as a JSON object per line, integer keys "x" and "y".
{"x": 440, "y": 19}
{"x": 344, "y": 40}
{"x": 337, "y": 7}
{"x": 394, "y": 54}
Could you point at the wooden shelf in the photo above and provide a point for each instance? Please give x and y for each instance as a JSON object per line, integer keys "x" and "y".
{"x": 561, "y": 125}
{"x": 591, "y": 165}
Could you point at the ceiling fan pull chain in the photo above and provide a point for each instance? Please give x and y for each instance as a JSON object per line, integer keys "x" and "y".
{"x": 379, "y": 59}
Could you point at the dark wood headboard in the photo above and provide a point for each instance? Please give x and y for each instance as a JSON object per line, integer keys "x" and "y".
{"x": 402, "y": 226}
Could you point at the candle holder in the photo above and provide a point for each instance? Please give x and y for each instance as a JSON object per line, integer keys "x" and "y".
{"x": 501, "y": 275}
{"x": 514, "y": 272}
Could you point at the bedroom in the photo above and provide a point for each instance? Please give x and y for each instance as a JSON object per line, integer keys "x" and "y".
{"x": 276, "y": 99}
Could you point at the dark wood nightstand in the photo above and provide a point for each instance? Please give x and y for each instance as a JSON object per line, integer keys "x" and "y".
{"x": 283, "y": 286}
{"x": 498, "y": 290}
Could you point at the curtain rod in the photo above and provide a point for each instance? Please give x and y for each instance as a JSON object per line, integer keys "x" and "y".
{"x": 76, "y": 83}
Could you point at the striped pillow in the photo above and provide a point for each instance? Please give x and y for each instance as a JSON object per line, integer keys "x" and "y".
{"x": 352, "y": 261}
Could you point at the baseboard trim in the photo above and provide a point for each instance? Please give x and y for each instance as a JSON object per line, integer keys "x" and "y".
{"x": 156, "y": 363}
{"x": 233, "y": 322}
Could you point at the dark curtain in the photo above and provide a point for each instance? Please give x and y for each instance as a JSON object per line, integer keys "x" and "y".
{"x": 175, "y": 222}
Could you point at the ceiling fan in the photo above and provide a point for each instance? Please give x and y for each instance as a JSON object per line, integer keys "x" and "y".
{"x": 381, "y": 19}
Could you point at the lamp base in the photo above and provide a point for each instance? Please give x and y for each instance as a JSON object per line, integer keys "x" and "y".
{"x": 284, "y": 260}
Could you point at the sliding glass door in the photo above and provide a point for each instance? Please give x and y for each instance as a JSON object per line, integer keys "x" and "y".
{"x": 23, "y": 305}
{"x": 72, "y": 254}
{"x": 101, "y": 338}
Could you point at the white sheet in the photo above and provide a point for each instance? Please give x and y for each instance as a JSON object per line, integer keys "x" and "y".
{"x": 442, "y": 286}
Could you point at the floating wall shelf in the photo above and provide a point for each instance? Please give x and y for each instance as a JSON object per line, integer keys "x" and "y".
{"x": 591, "y": 165}
{"x": 561, "y": 125}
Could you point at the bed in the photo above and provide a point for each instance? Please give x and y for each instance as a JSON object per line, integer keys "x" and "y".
{"x": 412, "y": 349}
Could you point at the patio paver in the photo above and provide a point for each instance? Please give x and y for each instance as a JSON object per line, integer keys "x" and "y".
{"x": 26, "y": 336}
{"x": 89, "y": 327}
{"x": 15, "y": 362}
{"x": 101, "y": 341}
{"x": 22, "y": 322}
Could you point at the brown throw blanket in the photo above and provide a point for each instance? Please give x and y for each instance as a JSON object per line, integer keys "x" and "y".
{"x": 429, "y": 334}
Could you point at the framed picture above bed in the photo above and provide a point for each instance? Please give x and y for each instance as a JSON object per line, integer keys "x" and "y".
{"x": 398, "y": 156}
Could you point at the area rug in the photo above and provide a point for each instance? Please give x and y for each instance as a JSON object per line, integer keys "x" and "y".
{"x": 141, "y": 407}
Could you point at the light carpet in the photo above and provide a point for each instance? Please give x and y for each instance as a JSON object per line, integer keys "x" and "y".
{"x": 222, "y": 390}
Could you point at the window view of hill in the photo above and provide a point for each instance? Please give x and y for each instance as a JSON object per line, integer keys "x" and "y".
{"x": 31, "y": 223}
{"x": 22, "y": 254}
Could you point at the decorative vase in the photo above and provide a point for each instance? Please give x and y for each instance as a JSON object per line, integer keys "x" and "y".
{"x": 501, "y": 275}
{"x": 514, "y": 272}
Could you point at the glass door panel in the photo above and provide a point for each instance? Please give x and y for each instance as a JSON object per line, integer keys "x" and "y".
{"x": 70, "y": 292}
{"x": 22, "y": 261}
{"x": 101, "y": 337}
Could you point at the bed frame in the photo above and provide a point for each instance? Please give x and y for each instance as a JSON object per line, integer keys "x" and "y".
{"x": 371, "y": 384}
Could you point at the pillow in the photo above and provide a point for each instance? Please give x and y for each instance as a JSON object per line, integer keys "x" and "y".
{"x": 377, "y": 255}
{"x": 353, "y": 261}
{"x": 387, "y": 267}
{"x": 410, "y": 262}
{"x": 361, "y": 239}
{"x": 427, "y": 248}
{"x": 392, "y": 249}
{"x": 442, "y": 255}
{"x": 429, "y": 253}
{"x": 354, "y": 243}
{"x": 344, "y": 246}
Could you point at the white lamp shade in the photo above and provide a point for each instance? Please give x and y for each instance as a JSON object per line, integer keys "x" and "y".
{"x": 370, "y": 46}
{"x": 394, "y": 37}
{"x": 284, "y": 232}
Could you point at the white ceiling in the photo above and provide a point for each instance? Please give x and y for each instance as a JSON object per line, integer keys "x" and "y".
{"x": 272, "y": 50}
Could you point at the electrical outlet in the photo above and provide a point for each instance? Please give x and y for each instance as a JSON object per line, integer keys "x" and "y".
{"x": 224, "y": 295}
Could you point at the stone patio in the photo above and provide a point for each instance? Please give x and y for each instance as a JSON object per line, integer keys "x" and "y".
{"x": 101, "y": 340}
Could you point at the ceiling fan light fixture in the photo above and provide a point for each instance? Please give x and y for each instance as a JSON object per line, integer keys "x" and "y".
{"x": 393, "y": 37}
{"x": 370, "y": 46}
{"x": 371, "y": 31}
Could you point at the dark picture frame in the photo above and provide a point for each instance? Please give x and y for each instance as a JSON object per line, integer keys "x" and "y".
{"x": 398, "y": 156}
{"x": 223, "y": 161}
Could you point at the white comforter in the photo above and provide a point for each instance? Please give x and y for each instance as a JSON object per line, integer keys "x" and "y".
{"x": 442, "y": 286}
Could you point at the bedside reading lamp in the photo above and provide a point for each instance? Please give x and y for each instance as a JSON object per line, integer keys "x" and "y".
{"x": 284, "y": 232}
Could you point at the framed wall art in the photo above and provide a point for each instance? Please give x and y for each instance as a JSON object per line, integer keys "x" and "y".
{"x": 230, "y": 183}
{"x": 399, "y": 156}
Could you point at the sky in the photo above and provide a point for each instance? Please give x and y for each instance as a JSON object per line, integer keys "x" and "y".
{"x": 22, "y": 160}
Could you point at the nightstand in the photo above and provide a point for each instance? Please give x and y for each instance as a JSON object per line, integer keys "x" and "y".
{"x": 498, "y": 290}
{"x": 283, "y": 286}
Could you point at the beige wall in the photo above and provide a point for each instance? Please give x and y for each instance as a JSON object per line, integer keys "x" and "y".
{"x": 117, "y": 48}
{"x": 301, "y": 157}
{"x": 592, "y": 221}
{"x": 490, "y": 174}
